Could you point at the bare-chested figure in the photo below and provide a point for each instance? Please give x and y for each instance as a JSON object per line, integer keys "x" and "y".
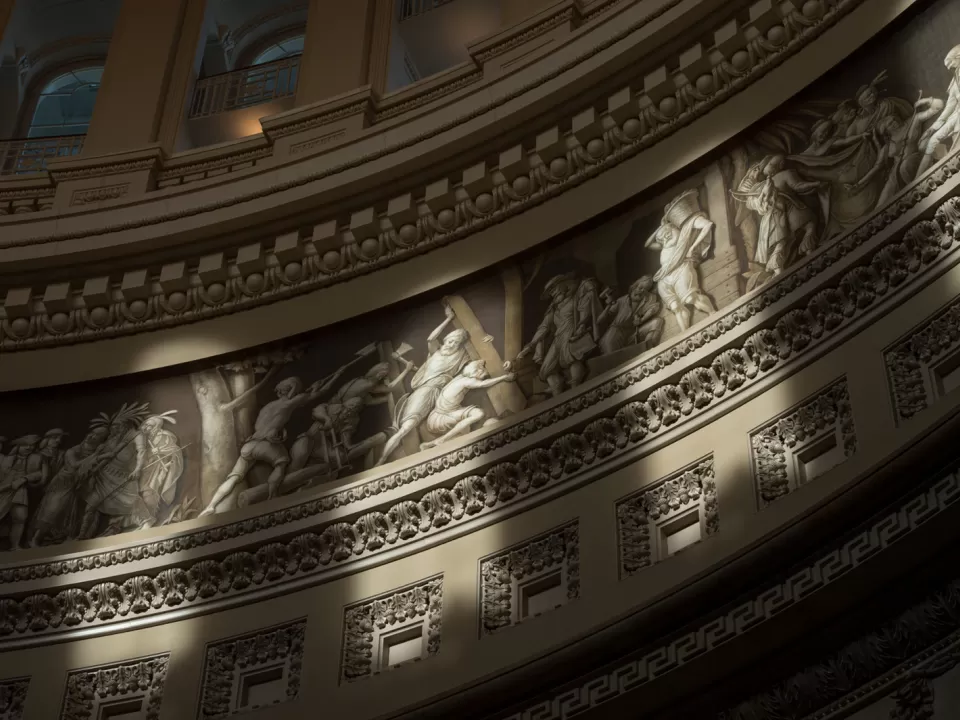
{"x": 269, "y": 433}
{"x": 449, "y": 418}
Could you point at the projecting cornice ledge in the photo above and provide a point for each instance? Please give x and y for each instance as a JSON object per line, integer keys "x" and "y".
{"x": 447, "y": 208}
{"x": 154, "y": 576}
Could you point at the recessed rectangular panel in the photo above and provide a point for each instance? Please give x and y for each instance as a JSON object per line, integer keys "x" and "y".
{"x": 947, "y": 375}
{"x": 402, "y": 646}
{"x": 541, "y": 595}
{"x": 681, "y": 533}
{"x": 818, "y": 457}
{"x": 131, "y": 709}
{"x": 262, "y": 687}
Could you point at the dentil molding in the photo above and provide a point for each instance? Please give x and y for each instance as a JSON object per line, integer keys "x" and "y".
{"x": 434, "y": 215}
{"x": 551, "y": 451}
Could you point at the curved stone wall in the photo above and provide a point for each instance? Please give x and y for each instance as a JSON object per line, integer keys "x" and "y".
{"x": 439, "y": 496}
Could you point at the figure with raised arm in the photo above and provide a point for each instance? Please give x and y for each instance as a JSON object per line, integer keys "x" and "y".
{"x": 444, "y": 362}
{"x": 266, "y": 444}
{"x": 683, "y": 239}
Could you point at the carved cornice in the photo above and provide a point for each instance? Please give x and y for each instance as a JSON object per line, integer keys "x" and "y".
{"x": 605, "y": 436}
{"x": 911, "y": 362}
{"x": 556, "y": 552}
{"x": 364, "y": 623}
{"x": 749, "y": 616}
{"x": 297, "y": 265}
{"x": 828, "y": 411}
{"x": 899, "y": 658}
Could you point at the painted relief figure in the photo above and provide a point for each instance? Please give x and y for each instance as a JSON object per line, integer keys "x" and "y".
{"x": 449, "y": 418}
{"x": 683, "y": 240}
{"x": 289, "y": 417}
{"x": 858, "y": 154}
{"x": 124, "y": 474}
{"x": 568, "y": 333}
{"x": 444, "y": 362}
{"x": 789, "y": 227}
{"x": 632, "y": 319}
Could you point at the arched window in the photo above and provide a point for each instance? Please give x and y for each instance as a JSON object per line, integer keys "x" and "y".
{"x": 280, "y": 50}
{"x": 65, "y": 104}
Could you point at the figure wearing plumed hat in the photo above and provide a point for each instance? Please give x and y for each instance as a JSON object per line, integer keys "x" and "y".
{"x": 568, "y": 333}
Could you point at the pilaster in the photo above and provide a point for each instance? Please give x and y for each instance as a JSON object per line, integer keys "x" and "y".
{"x": 137, "y": 77}
{"x": 515, "y": 11}
{"x": 347, "y": 46}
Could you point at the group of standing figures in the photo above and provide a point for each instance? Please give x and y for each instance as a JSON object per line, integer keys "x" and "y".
{"x": 122, "y": 475}
{"x": 858, "y": 157}
{"x": 791, "y": 186}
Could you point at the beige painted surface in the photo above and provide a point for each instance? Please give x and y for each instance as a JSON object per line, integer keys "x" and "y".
{"x": 464, "y": 656}
{"x": 346, "y": 46}
{"x": 417, "y": 275}
{"x": 137, "y": 76}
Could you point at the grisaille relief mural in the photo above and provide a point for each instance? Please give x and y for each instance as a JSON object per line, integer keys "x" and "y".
{"x": 112, "y": 456}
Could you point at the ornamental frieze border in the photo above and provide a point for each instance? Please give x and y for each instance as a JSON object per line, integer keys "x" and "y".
{"x": 559, "y": 463}
{"x": 830, "y": 305}
{"x": 180, "y": 294}
{"x": 653, "y": 663}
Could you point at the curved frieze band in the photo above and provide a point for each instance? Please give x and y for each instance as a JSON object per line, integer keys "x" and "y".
{"x": 749, "y": 616}
{"x": 197, "y": 288}
{"x": 142, "y": 465}
{"x": 560, "y": 461}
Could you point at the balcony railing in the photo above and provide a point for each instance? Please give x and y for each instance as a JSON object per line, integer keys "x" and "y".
{"x": 246, "y": 87}
{"x": 412, "y": 8}
{"x": 19, "y": 157}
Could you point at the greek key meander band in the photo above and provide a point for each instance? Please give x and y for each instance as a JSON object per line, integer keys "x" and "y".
{"x": 280, "y": 648}
{"x": 833, "y": 307}
{"x": 293, "y": 266}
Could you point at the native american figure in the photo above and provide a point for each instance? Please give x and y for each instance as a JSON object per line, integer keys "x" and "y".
{"x": 568, "y": 333}
{"x": 159, "y": 465}
{"x": 683, "y": 239}
{"x": 788, "y": 225}
{"x": 449, "y": 418}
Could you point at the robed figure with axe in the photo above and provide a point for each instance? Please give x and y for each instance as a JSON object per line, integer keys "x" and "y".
{"x": 444, "y": 362}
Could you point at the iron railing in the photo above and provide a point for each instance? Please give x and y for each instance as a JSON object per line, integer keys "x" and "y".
{"x": 19, "y": 157}
{"x": 412, "y": 8}
{"x": 245, "y": 87}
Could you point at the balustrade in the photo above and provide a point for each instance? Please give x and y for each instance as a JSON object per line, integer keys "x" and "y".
{"x": 245, "y": 87}
{"x": 22, "y": 156}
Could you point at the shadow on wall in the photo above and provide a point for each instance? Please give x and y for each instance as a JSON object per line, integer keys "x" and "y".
{"x": 146, "y": 451}
{"x": 149, "y": 450}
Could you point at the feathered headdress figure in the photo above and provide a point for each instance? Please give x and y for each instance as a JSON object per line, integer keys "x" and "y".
{"x": 129, "y": 414}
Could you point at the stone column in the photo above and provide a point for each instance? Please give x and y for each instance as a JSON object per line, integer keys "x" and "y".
{"x": 515, "y": 11}
{"x": 347, "y": 46}
{"x": 137, "y": 80}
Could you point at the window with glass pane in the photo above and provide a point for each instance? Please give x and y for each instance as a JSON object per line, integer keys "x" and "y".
{"x": 281, "y": 50}
{"x": 66, "y": 103}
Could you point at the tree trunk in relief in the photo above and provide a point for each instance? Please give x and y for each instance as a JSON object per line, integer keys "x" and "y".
{"x": 218, "y": 431}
